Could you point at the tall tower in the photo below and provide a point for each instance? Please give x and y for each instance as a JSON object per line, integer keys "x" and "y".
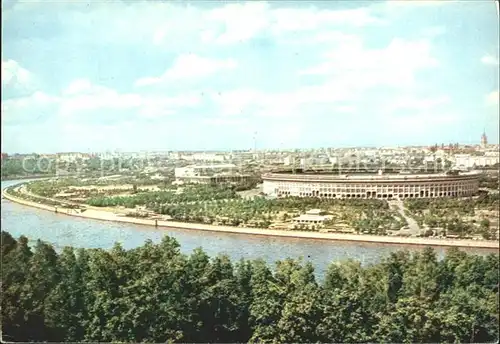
{"x": 484, "y": 139}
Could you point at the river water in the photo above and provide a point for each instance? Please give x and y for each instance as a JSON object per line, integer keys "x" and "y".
{"x": 62, "y": 230}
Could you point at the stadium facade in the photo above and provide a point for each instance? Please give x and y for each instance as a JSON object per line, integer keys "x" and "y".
{"x": 366, "y": 186}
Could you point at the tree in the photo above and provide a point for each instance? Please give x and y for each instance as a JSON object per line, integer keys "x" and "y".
{"x": 15, "y": 270}
{"x": 43, "y": 276}
{"x": 421, "y": 280}
{"x": 301, "y": 310}
{"x": 154, "y": 293}
{"x": 265, "y": 311}
{"x": 64, "y": 310}
{"x": 411, "y": 320}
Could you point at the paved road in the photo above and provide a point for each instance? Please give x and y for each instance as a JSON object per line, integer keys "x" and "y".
{"x": 414, "y": 228}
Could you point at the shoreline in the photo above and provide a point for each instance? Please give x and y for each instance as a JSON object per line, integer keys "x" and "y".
{"x": 36, "y": 176}
{"x": 102, "y": 215}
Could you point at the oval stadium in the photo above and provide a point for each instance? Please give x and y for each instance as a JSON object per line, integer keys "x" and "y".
{"x": 366, "y": 185}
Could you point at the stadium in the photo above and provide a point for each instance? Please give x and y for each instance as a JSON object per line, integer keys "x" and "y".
{"x": 365, "y": 185}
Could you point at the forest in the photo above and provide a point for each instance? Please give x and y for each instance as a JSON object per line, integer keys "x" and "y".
{"x": 155, "y": 293}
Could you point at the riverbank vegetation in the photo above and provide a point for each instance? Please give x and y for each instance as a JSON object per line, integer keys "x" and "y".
{"x": 223, "y": 205}
{"x": 227, "y": 204}
{"x": 52, "y": 187}
{"x": 459, "y": 217}
{"x": 191, "y": 193}
{"x": 153, "y": 293}
{"x": 12, "y": 190}
{"x": 371, "y": 216}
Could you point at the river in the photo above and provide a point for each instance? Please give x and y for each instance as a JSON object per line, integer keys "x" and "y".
{"x": 62, "y": 230}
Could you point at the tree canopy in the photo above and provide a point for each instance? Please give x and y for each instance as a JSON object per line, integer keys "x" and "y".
{"x": 154, "y": 293}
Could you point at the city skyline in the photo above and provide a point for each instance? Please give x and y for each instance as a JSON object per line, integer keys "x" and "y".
{"x": 169, "y": 76}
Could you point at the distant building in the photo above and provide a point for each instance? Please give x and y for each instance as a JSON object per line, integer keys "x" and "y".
{"x": 484, "y": 140}
{"x": 72, "y": 156}
{"x": 5, "y": 156}
{"x": 287, "y": 161}
{"x": 209, "y": 174}
{"x": 48, "y": 156}
{"x": 204, "y": 156}
{"x": 471, "y": 161}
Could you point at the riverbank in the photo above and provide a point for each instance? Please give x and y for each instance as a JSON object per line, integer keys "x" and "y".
{"x": 95, "y": 214}
{"x": 35, "y": 176}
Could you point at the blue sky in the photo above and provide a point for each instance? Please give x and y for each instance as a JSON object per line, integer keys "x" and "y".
{"x": 152, "y": 75}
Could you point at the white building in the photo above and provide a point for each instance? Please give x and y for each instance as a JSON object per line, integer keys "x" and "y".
{"x": 215, "y": 157}
{"x": 72, "y": 156}
{"x": 382, "y": 186}
{"x": 312, "y": 217}
{"x": 214, "y": 173}
{"x": 470, "y": 161}
{"x": 198, "y": 170}
{"x": 288, "y": 160}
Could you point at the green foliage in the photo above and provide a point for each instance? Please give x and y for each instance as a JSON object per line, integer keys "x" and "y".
{"x": 189, "y": 194}
{"x": 27, "y": 167}
{"x": 153, "y": 293}
{"x": 247, "y": 185}
{"x": 370, "y": 215}
{"x": 449, "y": 214}
{"x": 489, "y": 181}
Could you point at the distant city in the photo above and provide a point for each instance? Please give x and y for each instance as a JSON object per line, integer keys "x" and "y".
{"x": 451, "y": 155}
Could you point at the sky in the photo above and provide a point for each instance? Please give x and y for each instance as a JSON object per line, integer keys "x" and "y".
{"x": 165, "y": 75}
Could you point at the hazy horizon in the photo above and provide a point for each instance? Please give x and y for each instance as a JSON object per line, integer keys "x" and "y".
{"x": 229, "y": 150}
{"x": 153, "y": 76}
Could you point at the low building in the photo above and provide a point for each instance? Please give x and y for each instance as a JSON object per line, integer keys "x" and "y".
{"x": 204, "y": 156}
{"x": 72, "y": 156}
{"x": 312, "y": 217}
{"x": 209, "y": 174}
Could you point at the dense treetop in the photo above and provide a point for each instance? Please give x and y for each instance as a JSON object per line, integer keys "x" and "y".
{"x": 154, "y": 293}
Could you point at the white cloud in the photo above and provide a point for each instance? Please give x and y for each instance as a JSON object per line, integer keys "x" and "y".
{"x": 433, "y": 31}
{"x": 30, "y": 108}
{"x": 235, "y": 23}
{"x": 420, "y": 124}
{"x": 190, "y": 66}
{"x": 14, "y": 75}
{"x": 492, "y": 98}
{"x": 351, "y": 71}
{"x": 293, "y": 19}
{"x": 240, "y": 22}
{"x": 411, "y": 4}
{"x": 235, "y": 102}
{"x": 82, "y": 95}
{"x": 490, "y": 60}
{"x": 412, "y": 102}
{"x": 286, "y": 103}
{"x": 162, "y": 23}
{"x": 154, "y": 107}
{"x": 226, "y": 121}
{"x": 82, "y": 99}
{"x": 354, "y": 66}
{"x": 79, "y": 86}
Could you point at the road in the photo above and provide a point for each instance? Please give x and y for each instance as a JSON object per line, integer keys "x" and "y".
{"x": 413, "y": 226}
